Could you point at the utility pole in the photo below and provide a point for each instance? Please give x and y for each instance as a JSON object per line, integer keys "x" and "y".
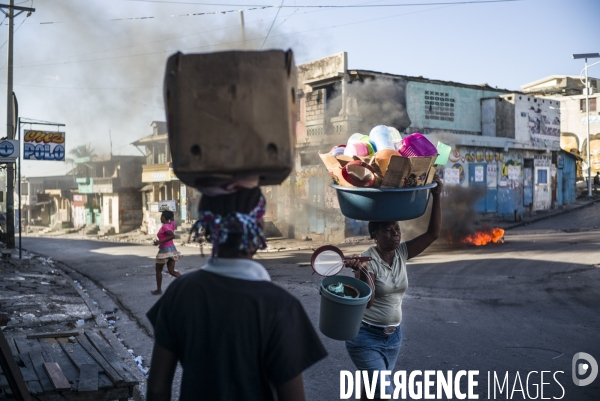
{"x": 587, "y": 109}
{"x": 10, "y": 129}
{"x": 243, "y": 25}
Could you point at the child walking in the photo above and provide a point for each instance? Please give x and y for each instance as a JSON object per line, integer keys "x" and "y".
{"x": 167, "y": 253}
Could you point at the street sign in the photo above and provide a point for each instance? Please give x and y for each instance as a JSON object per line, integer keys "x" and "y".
{"x": 44, "y": 145}
{"x": 9, "y": 151}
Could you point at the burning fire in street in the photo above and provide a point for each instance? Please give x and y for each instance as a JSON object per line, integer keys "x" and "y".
{"x": 484, "y": 237}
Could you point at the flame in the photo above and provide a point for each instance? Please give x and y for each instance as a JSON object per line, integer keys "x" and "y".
{"x": 484, "y": 237}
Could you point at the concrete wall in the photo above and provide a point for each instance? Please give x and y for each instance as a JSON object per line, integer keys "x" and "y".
{"x": 497, "y": 118}
{"x": 537, "y": 122}
{"x": 573, "y": 130}
{"x": 130, "y": 210}
{"x": 130, "y": 172}
{"x": 449, "y": 108}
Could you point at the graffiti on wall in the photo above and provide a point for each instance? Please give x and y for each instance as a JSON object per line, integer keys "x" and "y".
{"x": 544, "y": 127}
{"x": 510, "y": 174}
{"x": 594, "y": 153}
{"x": 455, "y": 173}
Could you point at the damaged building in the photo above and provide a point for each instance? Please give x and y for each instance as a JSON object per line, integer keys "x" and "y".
{"x": 505, "y": 144}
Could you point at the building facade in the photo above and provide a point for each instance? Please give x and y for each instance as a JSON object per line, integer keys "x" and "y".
{"x": 569, "y": 91}
{"x": 107, "y": 194}
{"x": 504, "y": 144}
{"x": 161, "y": 185}
{"x": 47, "y": 201}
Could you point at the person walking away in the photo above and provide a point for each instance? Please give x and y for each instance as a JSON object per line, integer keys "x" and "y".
{"x": 167, "y": 253}
{"x": 377, "y": 345}
{"x": 237, "y": 335}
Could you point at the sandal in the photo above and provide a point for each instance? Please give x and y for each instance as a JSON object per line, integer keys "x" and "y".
{"x": 156, "y": 292}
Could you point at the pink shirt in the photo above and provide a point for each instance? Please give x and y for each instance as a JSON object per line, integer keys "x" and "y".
{"x": 162, "y": 234}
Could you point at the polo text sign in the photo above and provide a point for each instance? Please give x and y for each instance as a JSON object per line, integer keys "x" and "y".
{"x": 44, "y": 145}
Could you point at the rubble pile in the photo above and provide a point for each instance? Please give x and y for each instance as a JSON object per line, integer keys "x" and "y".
{"x": 37, "y": 297}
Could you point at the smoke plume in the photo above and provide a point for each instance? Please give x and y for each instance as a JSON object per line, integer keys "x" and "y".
{"x": 459, "y": 218}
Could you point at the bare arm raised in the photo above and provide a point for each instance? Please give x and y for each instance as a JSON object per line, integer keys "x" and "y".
{"x": 418, "y": 244}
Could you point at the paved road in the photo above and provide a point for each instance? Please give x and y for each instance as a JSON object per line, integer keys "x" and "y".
{"x": 527, "y": 305}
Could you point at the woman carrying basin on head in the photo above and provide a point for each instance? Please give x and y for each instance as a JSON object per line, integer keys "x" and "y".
{"x": 378, "y": 342}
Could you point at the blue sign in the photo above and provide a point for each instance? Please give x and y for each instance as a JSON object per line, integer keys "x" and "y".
{"x": 43, "y": 152}
{"x": 9, "y": 151}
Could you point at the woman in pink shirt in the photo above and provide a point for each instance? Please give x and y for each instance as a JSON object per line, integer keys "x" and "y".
{"x": 167, "y": 253}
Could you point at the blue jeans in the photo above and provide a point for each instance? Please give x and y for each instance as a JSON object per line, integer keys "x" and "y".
{"x": 373, "y": 350}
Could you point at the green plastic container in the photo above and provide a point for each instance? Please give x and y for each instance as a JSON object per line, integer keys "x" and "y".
{"x": 340, "y": 317}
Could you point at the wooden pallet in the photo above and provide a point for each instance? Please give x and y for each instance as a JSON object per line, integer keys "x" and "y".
{"x": 55, "y": 368}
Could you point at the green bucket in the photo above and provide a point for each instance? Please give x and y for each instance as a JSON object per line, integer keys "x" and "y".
{"x": 340, "y": 317}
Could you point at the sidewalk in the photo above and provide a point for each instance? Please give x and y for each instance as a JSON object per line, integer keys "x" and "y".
{"x": 42, "y": 296}
{"x": 544, "y": 214}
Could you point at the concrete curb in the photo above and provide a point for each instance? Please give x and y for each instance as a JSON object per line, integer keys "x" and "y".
{"x": 545, "y": 217}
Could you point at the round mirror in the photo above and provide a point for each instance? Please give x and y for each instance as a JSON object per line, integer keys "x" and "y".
{"x": 328, "y": 263}
{"x": 329, "y": 260}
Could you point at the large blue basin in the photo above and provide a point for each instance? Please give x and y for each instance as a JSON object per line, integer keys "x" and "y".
{"x": 383, "y": 204}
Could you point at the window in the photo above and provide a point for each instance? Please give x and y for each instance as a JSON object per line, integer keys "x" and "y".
{"x": 542, "y": 176}
{"x": 592, "y": 104}
{"x": 24, "y": 189}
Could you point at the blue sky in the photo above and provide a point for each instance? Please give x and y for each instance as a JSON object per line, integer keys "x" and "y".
{"x": 85, "y": 64}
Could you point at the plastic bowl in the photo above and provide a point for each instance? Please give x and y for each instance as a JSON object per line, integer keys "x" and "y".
{"x": 383, "y": 204}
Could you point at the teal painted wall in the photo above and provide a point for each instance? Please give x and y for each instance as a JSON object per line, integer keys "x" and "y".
{"x": 85, "y": 185}
{"x": 442, "y": 107}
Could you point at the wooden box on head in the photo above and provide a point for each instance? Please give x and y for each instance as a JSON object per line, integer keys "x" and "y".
{"x": 231, "y": 115}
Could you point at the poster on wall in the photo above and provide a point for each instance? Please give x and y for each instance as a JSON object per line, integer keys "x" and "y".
{"x": 44, "y": 145}
{"x": 451, "y": 176}
{"x": 492, "y": 175}
{"x": 479, "y": 174}
{"x": 514, "y": 172}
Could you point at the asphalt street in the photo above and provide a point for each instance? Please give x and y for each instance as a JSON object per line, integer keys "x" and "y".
{"x": 529, "y": 304}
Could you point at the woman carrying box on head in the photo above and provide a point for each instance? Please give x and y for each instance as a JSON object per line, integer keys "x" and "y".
{"x": 237, "y": 335}
{"x": 378, "y": 342}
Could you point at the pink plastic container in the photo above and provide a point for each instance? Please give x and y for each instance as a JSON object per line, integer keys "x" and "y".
{"x": 356, "y": 149}
{"x": 417, "y": 145}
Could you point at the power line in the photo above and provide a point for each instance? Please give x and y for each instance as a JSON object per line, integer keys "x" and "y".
{"x": 27, "y": 15}
{"x": 34, "y": 63}
{"x": 84, "y": 88}
{"x": 272, "y": 23}
{"x": 331, "y": 6}
{"x": 231, "y": 43}
{"x": 154, "y": 17}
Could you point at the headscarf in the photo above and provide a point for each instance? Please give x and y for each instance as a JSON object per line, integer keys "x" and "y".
{"x": 219, "y": 227}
